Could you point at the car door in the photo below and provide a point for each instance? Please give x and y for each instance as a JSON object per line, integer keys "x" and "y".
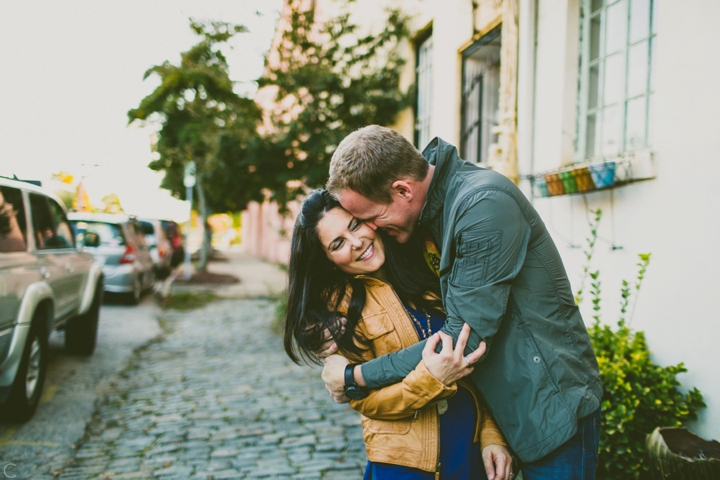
{"x": 56, "y": 254}
{"x": 76, "y": 264}
{"x": 18, "y": 267}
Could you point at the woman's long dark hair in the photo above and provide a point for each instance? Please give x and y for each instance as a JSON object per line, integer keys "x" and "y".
{"x": 317, "y": 288}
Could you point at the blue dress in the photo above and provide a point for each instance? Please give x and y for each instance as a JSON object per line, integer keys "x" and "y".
{"x": 459, "y": 456}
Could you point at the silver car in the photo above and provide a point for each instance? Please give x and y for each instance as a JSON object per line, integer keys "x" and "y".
{"x": 47, "y": 283}
{"x": 123, "y": 252}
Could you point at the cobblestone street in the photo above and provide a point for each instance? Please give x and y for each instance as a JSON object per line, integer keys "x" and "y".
{"x": 217, "y": 398}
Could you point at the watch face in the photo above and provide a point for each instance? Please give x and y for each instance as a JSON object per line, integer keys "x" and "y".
{"x": 353, "y": 392}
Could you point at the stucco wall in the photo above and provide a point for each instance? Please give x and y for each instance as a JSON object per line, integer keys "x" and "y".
{"x": 673, "y": 216}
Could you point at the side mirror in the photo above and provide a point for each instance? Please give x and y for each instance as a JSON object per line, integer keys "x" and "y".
{"x": 91, "y": 239}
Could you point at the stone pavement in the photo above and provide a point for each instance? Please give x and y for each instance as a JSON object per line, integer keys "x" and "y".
{"x": 217, "y": 398}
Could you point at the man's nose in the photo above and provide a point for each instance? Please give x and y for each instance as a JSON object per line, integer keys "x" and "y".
{"x": 371, "y": 224}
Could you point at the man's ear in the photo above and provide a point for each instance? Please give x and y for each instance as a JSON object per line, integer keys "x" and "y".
{"x": 403, "y": 189}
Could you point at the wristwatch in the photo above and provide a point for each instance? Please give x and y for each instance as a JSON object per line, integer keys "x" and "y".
{"x": 352, "y": 390}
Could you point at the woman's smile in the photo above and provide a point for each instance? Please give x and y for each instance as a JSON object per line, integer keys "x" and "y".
{"x": 367, "y": 254}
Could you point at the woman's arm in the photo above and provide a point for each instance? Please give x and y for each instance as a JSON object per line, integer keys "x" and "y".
{"x": 495, "y": 454}
{"x": 403, "y": 399}
{"x": 419, "y": 388}
{"x": 433, "y": 378}
{"x": 448, "y": 365}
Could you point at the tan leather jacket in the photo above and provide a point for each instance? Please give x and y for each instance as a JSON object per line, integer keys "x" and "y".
{"x": 400, "y": 422}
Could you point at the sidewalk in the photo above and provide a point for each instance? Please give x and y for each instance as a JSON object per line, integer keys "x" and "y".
{"x": 257, "y": 278}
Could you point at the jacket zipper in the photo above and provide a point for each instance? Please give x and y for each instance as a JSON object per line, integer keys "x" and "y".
{"x": 437, "y": 465}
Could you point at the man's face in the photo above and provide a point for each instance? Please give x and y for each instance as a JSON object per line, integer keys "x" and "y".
{"x": 396, "y": 218}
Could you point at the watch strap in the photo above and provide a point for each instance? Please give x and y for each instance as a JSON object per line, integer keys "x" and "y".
{"x": 350, "y": 374}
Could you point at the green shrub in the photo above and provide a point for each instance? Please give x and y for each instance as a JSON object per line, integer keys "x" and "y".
{"x": 638, "y": 394}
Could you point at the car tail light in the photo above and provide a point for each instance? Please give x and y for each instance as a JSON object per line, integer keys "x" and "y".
{"x": 128, "y": 256}
{"x": 161, "y": 251}
{"x": 176, "y": 241}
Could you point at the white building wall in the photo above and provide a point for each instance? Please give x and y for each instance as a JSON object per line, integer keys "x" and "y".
{"x": 673, "y": 215}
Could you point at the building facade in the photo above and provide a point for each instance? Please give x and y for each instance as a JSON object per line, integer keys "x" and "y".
{"x": 588, "y": 104}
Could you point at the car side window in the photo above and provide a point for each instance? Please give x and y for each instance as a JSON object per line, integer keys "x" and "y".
{"x": 13, "y": 225}
{"x": 47, "y": 234}
{"x": 64, "y": 230}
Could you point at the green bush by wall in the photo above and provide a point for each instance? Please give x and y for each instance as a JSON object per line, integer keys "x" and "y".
{"x": 638, "y": 394}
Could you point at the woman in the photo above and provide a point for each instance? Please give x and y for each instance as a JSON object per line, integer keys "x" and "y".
{"x": 427, "y": 426}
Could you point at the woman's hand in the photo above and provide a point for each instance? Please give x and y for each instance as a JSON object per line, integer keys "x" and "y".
{"x": 329, "y": 346}
{"x": 450, "y": 365}
{"x": 333, "y": 375}
{"x": 498, "y": 462}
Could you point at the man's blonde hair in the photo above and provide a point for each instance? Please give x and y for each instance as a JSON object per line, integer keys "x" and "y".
{"x": 369, "y": 160}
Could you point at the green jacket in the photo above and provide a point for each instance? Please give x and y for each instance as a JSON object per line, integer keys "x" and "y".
{"x": 501, "y": 273}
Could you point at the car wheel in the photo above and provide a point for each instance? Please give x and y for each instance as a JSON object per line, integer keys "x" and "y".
{"x": 81, "y": 332}
{"x": 133, "y": 297}
{"x": 27, "y": 388}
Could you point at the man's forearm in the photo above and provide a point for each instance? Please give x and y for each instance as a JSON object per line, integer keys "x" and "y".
{"x": 454, "y": 325}
{"x": 391, "y": 368}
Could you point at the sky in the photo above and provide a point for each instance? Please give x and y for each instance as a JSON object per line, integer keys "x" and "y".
{"x": 70, "y": 70}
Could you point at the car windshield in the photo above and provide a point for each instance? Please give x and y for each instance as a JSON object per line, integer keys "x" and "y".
{"x": 110, "y": 234}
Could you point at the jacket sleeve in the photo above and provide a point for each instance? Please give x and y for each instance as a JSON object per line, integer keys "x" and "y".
{"x": 403, "y": 399}
{"x": 490, "y": 433}
{"x": 491, "y": 237}
{"x": 491, "y": 240}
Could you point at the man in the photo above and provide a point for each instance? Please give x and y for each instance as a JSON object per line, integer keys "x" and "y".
{"x": 501, "y": 273}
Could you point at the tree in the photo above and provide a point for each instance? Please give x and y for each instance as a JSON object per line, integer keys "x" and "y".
{"x": 112, "y": 204}
{"x": 329, "y": 81}
{"x": 200, "y": 115}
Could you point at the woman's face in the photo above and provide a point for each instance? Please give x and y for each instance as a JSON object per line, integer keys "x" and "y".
{"x": 349, "y": 243}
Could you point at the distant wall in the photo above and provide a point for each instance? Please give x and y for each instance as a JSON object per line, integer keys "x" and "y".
{"x": 266, "y": 233}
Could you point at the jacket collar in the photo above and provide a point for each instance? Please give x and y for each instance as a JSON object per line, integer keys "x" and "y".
{"x": 447, "y": 161}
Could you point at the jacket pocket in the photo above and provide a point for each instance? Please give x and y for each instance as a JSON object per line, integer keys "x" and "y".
{"x": 387, "y": 427}
{"x": 377, "y": 325}
{"x": 475, "y": 259}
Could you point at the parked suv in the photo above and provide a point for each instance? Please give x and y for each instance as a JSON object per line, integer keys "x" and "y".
{"x": 46, "y": 283}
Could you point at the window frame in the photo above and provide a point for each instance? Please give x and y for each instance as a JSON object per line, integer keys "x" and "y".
{"x": 583, "y": 110}
{"x": 20, "y": 216}
{"x": 424, "y": 46}
{"x": 40, "y": 245}
{"x": 486, "y": 39}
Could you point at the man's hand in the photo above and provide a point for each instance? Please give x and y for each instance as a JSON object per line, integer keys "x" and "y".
{"x": 333, "y": 375}
{"x": 498, "y": 462}
{"x": 329, "y": 347}
{"x": 450, "y": 365}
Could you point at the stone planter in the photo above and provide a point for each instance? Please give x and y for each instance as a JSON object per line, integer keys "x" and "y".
{"x": 678, "y": 454}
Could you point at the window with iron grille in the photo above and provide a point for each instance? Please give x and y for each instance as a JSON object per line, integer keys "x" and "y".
{"x": 480, "y": 97}
{"x": 615, "y": 84}
{"x": 424, "y": 82}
